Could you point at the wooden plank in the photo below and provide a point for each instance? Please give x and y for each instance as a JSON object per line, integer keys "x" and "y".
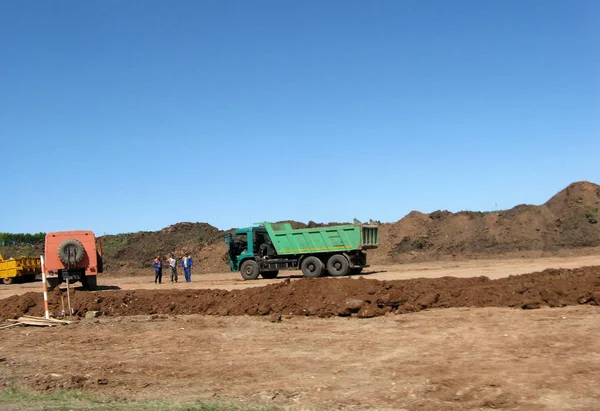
{"x": 54, "y": 320}
{"x": 38, "y": 324}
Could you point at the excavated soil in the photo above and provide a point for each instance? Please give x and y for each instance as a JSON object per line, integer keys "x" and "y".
{"x": 566, "y": 222}
{"x": 327, "y": 297}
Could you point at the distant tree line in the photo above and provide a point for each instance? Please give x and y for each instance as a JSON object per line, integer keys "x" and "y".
{"x": 21, "y": 239}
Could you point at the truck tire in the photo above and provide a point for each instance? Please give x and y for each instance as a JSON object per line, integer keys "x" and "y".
{"x": 99, "y": 262}
{"x": 249, "y": 270}
{"x": 71, "y": 251}
{"x": 338, "y": 265}
{"x": 269, "y": 274}
{"x": 10, "y": 280}
{"x": 312, "y": 267}
{"x": 89, "y": 282}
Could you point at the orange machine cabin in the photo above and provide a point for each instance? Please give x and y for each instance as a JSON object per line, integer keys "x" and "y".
{"x": 73, "y": 255}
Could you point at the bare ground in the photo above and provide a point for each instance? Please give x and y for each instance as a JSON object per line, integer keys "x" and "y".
{"x": 435, "y": 359}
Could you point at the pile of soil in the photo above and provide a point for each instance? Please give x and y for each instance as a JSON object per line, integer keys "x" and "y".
{"x": 16, "y": 251}
{"x": 326, "y": 297}
{"x": 124, "y": 252}
{"x": 569, "y": 220}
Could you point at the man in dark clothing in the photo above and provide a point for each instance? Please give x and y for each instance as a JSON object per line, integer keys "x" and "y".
{"x": 157, "y": 264}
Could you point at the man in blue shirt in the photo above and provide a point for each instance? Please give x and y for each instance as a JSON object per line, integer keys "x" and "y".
{"x": 186, "y": 264}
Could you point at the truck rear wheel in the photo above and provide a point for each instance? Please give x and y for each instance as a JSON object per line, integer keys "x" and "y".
{"x": 89, "y": 282}
{"x": 338, "y": 265}
{"x": 249, "y": 270}
{"x": 312, "y": 267}
{"x": 269, "y": 274}
{"x": 10, "y": 280}
{"x": 52, "y": 283}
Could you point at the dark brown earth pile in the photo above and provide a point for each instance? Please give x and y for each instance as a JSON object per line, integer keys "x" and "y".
{"x": 567, "y": 221}
{"x": 310, "y": 224}
{"x": 326, "y": 297}
{"x": 16, "y": 251}
{"x": 137, "y": 250}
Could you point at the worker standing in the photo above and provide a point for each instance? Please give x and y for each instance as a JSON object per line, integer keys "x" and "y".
{"x": 186, "y": 264}
{"x": 157, "y": 264}
{"x": 173, "y": 268}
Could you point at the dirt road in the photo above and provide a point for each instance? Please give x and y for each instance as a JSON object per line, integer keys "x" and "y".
{"x": 438, "y": 359}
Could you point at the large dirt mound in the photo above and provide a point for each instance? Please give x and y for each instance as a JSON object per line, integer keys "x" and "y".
{"x": 567, "y": 220}
{"x": 16, "y": 251}
{"x": 137, "y": 250}
{"x": 327, "y": 297}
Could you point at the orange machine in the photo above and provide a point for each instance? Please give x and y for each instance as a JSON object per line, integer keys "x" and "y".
{"x": 73, "y": 255}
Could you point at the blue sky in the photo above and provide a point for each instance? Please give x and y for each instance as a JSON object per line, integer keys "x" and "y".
{"x": 121, "y": 116}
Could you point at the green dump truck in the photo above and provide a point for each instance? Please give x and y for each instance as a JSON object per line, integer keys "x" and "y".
{"x": 267, "y": 248}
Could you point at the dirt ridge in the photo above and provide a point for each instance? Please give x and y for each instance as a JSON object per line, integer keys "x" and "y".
{"x": 327, "y": 297}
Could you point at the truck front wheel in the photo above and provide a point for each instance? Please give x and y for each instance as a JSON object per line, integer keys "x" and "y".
{"x": 312, "y": 267}
{"x": 338, "y": 265}
{"x": 249, "y": 270}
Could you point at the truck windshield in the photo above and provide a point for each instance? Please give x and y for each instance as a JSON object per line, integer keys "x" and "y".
{"x": 239, "y": 244}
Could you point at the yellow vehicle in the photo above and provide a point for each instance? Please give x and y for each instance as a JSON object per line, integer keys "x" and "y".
{"x": 22, "y": 268}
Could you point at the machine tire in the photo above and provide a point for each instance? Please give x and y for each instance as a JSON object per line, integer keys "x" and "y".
{"x": 249, "y": 270}
{"x": 65, "y": 246}
{"x": 269, "y": 274}
{"x": 10, "y": 280}
{"x": 89, "y": 282}
{"x": 338, "y": 265}
{"x": 312, "y": 267}
{"x": 354, "y": 271}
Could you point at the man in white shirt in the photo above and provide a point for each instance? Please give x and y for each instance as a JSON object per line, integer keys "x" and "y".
{"x": 173, "y": 268}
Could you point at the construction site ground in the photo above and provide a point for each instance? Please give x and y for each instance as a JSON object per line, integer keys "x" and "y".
{"x": 428, "y": 343}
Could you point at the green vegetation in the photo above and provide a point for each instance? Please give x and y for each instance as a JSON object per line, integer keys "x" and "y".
{"x": 114, "y": 243}
{"x": 494, "y": 212}
{"x": 22, "y": 239}
{"x": 592, "y": 215}
{"x": 16, "y": 399}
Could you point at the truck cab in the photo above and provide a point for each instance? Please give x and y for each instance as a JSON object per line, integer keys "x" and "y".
{"x": 246, "y": 244}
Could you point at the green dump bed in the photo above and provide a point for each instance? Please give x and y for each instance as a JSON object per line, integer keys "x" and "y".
{"x": 340, "y": 238}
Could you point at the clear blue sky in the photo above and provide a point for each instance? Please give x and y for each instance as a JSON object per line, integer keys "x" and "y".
{"x": 121, "y": 116}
